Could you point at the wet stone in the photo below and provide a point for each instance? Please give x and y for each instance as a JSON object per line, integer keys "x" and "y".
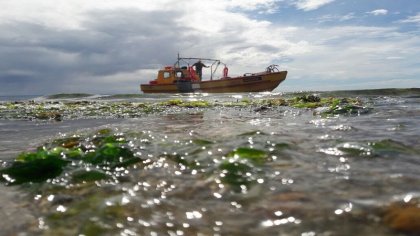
{"x": 403, "y": 217}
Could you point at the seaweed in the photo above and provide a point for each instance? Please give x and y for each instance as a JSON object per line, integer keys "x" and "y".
{"x": 33, "y": 169}
{"x": 88, "y": 175}
{"x": 254, "y": 155}
{"x": 241, "y": 168}
{"x": 104, "y": 149}
{"x": 237, "y": 174}
{"x": 64, "y": 110}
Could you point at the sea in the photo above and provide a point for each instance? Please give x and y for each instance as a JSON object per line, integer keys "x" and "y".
{"x": 223, "y": 164}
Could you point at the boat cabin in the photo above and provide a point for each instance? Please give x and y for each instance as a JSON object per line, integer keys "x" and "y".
{"x": 170, "y": 75}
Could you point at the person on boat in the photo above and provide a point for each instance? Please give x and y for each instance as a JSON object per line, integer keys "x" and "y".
{"x": 199, "y": 68}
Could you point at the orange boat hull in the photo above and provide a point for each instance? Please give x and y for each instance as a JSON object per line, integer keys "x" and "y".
{"x": 260, "y": 82}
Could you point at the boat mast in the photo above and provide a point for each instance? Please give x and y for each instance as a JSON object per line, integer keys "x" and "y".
{"x": 177, "y": 62}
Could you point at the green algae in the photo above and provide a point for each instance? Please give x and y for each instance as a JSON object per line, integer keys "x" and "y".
{"x": 237, "y": 174}
{"x": 33, "y": 169}
{"x": 104, "y": 149}
{"x": 355, "y": 149}
{"x": 241, "y": 169}
{"x": 336, "y": 106}
{"x": 254, "y": 155}
{"x": 188, "y": 104}
{"x": 306, "y": 101}
{"x": 253, "y": 133}
{"x": 282, "y": 146}
{"x": 112, "y": 155}
{"x": 68, "y": 109}
{"x": 277, "y": 102}
{"x": 49, "y": 116}
{"x": 202, "y": 142}
{"x": 86, "y": 200}
{"x": 88, "y": 176}
{"x": 381, "y": 148}
{"x": 183, "y": 161}
{"x": 389, "y": 147}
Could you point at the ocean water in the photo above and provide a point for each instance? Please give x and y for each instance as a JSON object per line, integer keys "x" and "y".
{"x": 229, "y": 168}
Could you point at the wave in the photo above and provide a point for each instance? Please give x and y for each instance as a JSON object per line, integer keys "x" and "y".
{"x": 69, "y": 95}
{"x": 6, "y": 98}
{"x": 122, "y": 96}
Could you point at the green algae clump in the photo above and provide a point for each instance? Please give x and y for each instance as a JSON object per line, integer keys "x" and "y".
{"x": 254, "y": 155}
{"x": 33, "y": 167}
{"x": 240, "y": 170}
{"x": 88, "y": 175}
{"x": 236, "y": 174}
{"x": 111, "y": 155}
{"x": 187, "y": 104}
{"x": 105, "y": 150}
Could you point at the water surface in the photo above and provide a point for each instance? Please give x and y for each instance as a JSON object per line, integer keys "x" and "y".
{"x": 313, "y": 174}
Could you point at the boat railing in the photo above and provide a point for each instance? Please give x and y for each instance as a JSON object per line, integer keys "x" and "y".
{"x": 215, "y": 63}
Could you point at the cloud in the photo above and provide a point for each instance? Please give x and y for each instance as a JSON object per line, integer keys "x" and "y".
{"x": 309, "y": 5}
{"x": 354, "y": 56}
{"x": 331, "y": 18}
{"x": 111, "y": 47}
{"x": 255, "y": 5}
{"x": 378, "y": 12}
{"x": 110, "y": 42}
{"x": 412, "y": 19}
{"x": 85, "y": 47}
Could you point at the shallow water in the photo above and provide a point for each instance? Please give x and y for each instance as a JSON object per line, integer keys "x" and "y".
{"x": 320, "y": 175}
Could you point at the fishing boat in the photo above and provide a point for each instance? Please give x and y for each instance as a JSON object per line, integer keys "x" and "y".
{"x": 183, "y": 78}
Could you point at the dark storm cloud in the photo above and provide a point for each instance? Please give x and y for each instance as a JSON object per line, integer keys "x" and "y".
{"x": 35, "y": 59}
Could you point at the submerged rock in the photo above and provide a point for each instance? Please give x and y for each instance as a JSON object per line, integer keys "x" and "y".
{"x": 404, "y": 217}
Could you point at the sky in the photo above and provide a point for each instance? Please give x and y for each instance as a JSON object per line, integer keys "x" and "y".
{"x": 111, "y": 47}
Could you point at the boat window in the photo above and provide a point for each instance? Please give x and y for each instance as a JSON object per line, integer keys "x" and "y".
{"x": 179, "y": 74}
{"x": 166, "y": 74}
